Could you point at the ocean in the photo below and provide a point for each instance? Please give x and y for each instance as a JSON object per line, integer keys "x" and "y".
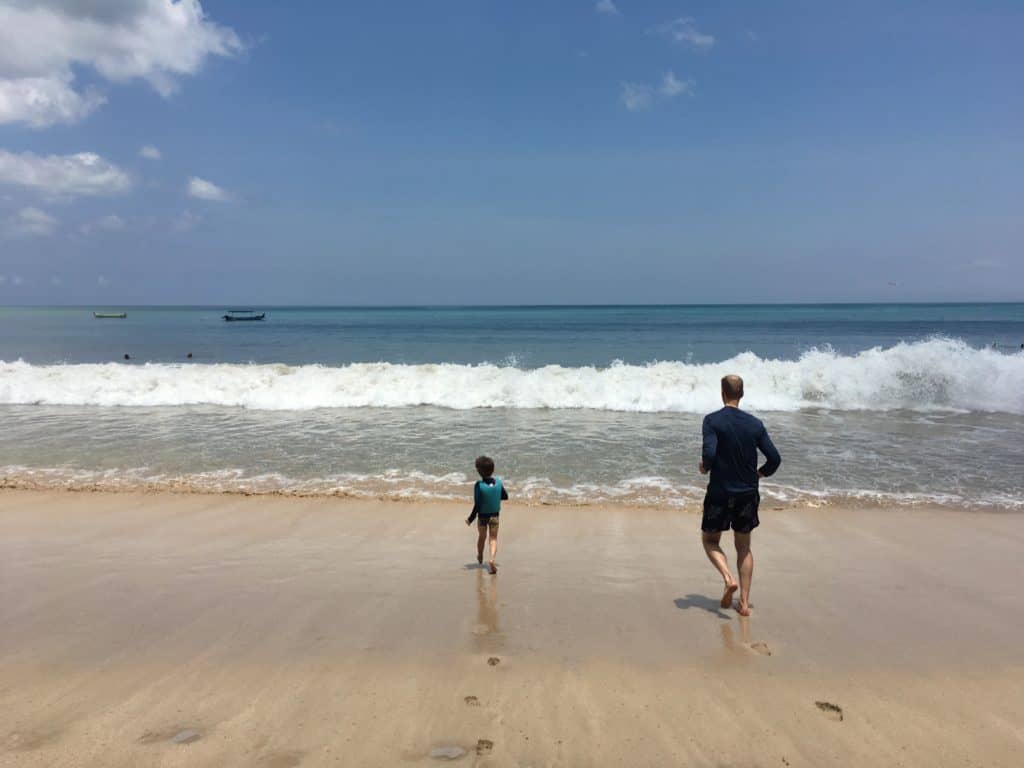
{"x": 892, "y": 404}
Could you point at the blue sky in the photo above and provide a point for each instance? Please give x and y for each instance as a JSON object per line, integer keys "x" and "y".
{"x": 495, "y": 152}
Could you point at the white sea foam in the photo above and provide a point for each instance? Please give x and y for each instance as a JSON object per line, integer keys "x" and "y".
{"x": 938, "y": 374}
{"x": 397, "y": 485}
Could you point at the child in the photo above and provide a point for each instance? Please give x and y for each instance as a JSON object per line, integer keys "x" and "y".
{"x": 488, "y": 493}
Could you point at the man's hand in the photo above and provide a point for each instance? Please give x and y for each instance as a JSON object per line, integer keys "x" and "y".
{"x": 468, "y": 521}
{"x": 702, "y": 468}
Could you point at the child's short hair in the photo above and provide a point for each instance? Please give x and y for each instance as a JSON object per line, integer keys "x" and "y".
{"x": 485, "y": 466}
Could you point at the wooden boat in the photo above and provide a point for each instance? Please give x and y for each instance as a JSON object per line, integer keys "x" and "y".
{"x": 242, "y": 315}
{"x": 110, "y": 315}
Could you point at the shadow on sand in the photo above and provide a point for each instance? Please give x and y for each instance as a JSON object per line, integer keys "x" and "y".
{"x": 703, "y": 602}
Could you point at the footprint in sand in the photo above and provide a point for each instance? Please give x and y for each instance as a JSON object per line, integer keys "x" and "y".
{"x": 285, "y": 759}
{"x": 832, "y": 711}
{"x": 484, "y": 746}
{"x": 472, "y": 701}
{"x": 761, "y": 648}
{"x": 451, "y": 752}
{"x": 176, "y": 734}
{"x": 26, "y": 741}
{"x": 494, "y": 661}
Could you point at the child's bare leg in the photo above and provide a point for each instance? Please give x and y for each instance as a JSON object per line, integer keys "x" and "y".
{"x": 480, "y": 541}
{"x": 494, "y": 548}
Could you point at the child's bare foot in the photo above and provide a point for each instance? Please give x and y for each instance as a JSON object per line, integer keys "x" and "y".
{"x": 492, "y": 567}
{"x": 742, "y": 610}
{"x": 726, "y": 600}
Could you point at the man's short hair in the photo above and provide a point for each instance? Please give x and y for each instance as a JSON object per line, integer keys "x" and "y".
{"x": 485, "y": 466}
{"x": 732, "y": 387}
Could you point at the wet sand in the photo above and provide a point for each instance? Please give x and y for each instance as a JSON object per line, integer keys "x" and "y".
{"x": 167, "y": 630}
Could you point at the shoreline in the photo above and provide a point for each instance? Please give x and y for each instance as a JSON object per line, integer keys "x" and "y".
{"x": 836, "y": 501}
{"x": 311, "y": 631}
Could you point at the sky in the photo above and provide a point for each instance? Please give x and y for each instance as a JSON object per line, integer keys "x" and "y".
{"x": 484, "y": 152}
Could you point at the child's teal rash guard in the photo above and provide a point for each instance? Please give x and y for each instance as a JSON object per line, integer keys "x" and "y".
{"x": 487, "y": 497}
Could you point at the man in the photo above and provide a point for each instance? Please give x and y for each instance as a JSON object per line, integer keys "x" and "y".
{"x": 731, "y": 440}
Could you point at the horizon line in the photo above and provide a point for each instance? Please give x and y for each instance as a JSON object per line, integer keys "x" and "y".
{"x": 651, "y": 305}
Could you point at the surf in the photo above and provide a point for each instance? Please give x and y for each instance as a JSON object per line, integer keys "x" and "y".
{"x": 938, "y": 374}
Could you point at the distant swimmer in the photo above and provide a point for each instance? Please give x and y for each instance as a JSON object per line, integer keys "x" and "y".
{"x": 127, "y": 356}
{"x": 732, "y": 439}
{"x": 189, "y": 355}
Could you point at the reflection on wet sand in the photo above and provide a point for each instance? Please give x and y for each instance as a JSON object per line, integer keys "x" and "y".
{"x": 487, "y": 635}
{"x": 746, "y": 644}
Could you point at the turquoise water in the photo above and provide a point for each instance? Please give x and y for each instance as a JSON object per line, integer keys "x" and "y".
{"x": 525, "y": 336}
{"x": 903, "y": 404}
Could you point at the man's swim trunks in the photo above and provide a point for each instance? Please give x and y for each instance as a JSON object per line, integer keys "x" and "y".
{"x": 723, "y": 511}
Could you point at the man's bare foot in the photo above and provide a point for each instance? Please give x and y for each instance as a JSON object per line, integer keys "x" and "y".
{"x": 742, "y": 610}
{"x": 730, "y": 589}
{"x": 493, "y": 568}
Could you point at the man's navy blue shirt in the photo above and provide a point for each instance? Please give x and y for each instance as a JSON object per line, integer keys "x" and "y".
{"x": 731, "y": 440}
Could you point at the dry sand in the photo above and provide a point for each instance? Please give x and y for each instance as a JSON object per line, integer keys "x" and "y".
{"x": 173, "y": 630}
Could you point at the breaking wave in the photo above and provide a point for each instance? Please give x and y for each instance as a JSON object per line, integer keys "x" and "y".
{"x": 937, "y": 374}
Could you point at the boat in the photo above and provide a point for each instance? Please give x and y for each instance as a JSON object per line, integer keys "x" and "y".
{"x": 240, "y": 315}
{"x": 110, "y": 315}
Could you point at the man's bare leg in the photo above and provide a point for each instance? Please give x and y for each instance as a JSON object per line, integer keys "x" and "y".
{"x": 745, "y": 565}
{"x": 718, "y": 559}
{"x": 480, "y": 541}
{"x": 494, "y": 550}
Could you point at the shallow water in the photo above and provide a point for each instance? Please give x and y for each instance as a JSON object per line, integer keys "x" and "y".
{"x": 864, "y": 402}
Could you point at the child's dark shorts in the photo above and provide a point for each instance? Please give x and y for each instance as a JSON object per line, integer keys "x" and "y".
{"x": 490, "y": 522}
{"x": 723, "y": 511}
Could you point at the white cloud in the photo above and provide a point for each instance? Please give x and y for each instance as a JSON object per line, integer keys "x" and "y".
{"x": 636, "y": 96}
{"x": 186, "y": 221}
{"x": 673, "y": 86}
{"x": 205, "y": 190}
{"x": 102, "y": 281}
{"x": 43, "y": 101}
{"x": 111, "y": 223}
{"x": 30, "y": 222}
{"x": 640, "y": 96}
{"x": 150, "y": 152}
{"x": 986, "y": 263}
{"x": 63, "y": 176}
{"x": 683, "y": 31}
{"x": 43, "y": 41}
{"x": 3, "y": 279}
{"x": 607, "y": 7}
{"x": 56, "y": 281}
{"x": 17, "y": 280}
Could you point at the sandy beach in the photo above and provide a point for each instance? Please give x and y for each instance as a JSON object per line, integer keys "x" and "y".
{"x": 206, "y": 630}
